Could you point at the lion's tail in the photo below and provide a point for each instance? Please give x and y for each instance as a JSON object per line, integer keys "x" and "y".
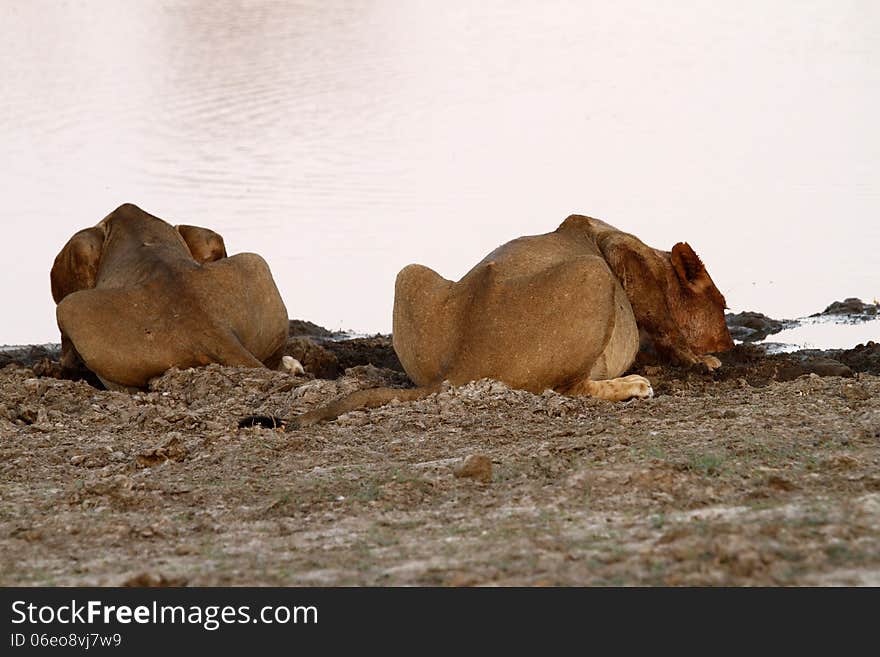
{"x": 369, "y": 398}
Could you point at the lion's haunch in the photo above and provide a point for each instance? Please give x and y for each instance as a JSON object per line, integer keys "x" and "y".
{"x": 137, "y": 296}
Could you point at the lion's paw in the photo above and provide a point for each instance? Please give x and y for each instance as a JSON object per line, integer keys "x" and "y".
{"x": 292, "y": 365}
{"x": 711, "y": 362}
{"x": 637, "y": 386}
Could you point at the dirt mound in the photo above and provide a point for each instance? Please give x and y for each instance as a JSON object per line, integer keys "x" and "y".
{"x": 328, "y": 359}
{"x": 862, "y": 358}
{"x": 377, "y": 351}
{"x": 315, "y": 359}
{"x": 327, "y": 354}
{"x": 303, "y": 328}
{"x": 748, "y": 364}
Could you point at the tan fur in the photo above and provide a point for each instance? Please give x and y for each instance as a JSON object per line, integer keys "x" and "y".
{"x": 620, "y": 389}
{"x": 136, "y": 297}
{"x": 204, "y": 244}
{"x": 561, "y": 311}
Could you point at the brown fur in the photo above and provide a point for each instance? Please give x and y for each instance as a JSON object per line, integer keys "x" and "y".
{"x": 137, "y": 296}
{"x": 561, "y": 311}
{"x": 677, "y": 307}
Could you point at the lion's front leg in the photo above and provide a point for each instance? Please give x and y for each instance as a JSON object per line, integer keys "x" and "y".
{"x": 677, "y": 350}
{"x": 710, "y": 361}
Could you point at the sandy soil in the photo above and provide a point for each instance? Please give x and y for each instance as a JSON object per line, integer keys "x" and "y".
{"x": 765, "y": 472}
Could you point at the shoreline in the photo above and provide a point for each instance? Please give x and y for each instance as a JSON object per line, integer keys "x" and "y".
{"x": 328, "y": 354}
{"x": 746, "y": 327}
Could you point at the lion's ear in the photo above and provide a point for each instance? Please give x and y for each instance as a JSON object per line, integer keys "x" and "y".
{"x": 688, "y": 266}
{"x": 204, "y": 244}
{"x": 76, "y": 266}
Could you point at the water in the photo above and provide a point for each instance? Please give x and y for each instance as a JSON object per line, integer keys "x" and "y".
{"x": 343, "y": 141}
{"x": 832, "y": 332}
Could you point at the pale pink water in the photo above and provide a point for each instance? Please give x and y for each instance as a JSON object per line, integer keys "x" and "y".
{"x": 343, "y": 141}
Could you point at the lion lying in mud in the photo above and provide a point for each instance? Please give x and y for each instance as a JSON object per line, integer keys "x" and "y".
{"x": 564, "y": 311}
{"x": 137, "y": 296}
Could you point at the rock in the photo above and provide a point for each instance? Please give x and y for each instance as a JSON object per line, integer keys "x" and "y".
{"x": 477, "y": 467}
{"x": 36, "y": 386}
{"x": 462, "y": 579}
{"x": 27, "y": 414}
{"x": 862, "y": 358}
{"x": 817, "y": 366}
{"x": 48, "y": 368}
{"x": 851, "y": 306}
{"x": 172, "y": 449}
{"x": 739, "y": 555}
{"x": 780, "y": 483}
{"x": 301, "y": 327}
{"x": 827, "y": 367}
{"x": 375, "y": 377}
{"x": 751, "y": 326}
{"x": 870, "y": 424}
{"x": 153, "y": 580}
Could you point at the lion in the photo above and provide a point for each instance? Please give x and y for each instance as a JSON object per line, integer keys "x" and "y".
{"x": 137, "y": 296}
{"x": 565, "y": 311}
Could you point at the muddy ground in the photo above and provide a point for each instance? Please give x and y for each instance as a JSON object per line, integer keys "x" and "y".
{"x": 766, "y": 472}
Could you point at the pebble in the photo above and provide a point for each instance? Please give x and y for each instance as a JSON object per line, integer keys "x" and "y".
{"x": 477, "y": 467}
